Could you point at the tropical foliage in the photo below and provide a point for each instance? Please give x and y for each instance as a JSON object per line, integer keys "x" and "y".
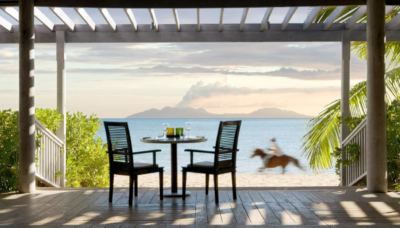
{"x": 87, "y": 162}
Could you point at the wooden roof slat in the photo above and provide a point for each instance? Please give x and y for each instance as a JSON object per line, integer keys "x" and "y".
{"x": 63, "y": 17}
{"x": 221, "y": 19}
{"x": 333, "y": 16}
{"x": 176, "y": 17}
{"x": 5, "y": 24}
{"x": 107, "y": 16}
{"x": 243, "y": 19}
{"x": 356, "y": 16}
{"x": 265, "y": 20}
{"x": 44, "y": 19}
{"x": 11, "y": 12}
{"x": 132, "y": 19}
{"x": 198, "y": 19}
{"x": 85, "y": 16}
{"x": 311, "y": 17}
{"x": 153, "y": 18}
{"x": 288, "y": 17}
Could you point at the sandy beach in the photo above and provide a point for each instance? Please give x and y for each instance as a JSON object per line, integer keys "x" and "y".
{"x": 242, "y": 180}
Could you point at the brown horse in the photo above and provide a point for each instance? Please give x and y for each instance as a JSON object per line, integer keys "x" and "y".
{"x": 276, "y": 161}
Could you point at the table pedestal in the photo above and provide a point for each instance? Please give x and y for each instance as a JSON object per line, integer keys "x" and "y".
{"x": 174, "y": 192}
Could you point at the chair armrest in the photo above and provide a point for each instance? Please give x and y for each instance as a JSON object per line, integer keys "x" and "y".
{"x": 200, "y": 151}
{"x": 145, "y": 151}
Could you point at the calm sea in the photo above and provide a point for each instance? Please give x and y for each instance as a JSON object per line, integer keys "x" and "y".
{"x": 254, "y": 133}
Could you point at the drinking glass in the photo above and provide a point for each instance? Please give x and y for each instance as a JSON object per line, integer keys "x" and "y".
{"x": 188, "y": 127}
{"x": 165, "y": 129}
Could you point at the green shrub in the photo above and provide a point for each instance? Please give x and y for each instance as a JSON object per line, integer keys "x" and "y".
{"x": 87, "y": 161}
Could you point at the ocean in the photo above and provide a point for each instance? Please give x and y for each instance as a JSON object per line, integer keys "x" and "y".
{"x": 255, "y": 133}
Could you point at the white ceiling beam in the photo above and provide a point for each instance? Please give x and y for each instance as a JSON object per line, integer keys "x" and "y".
{"x": 11, "y": 12}
{"x": 5, "y": 24}
{"x": 109, "y": 19}
{"x": 221, "y": 20}
{"x": 85, "y": 16}
{"x": 389, "y": 9}
{"x": 243, "y": 20}
{"x": 63, "y": 17}
{"x": 178, "y": 25}
{"x": 288, "y": 17}
{"x": 198, "y": 19}
{"x": 153, "y": 18}
{"x": 334, "y": 15}
{"x": 44, "y": 19}
{"x": 394, "y": 23}
{"x": 356, "y": 16}
{"x": 265, "y": 20}
{"x": 131, "y": 18}
{"x": 311, "y": 17}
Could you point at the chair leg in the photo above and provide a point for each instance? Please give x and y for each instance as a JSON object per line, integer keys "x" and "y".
{"x": 161, "y": 184}
{"x": 131, "y": 180}
{"x": 136, "y": 185}
{"x": 207, "y": 182}
{"x": 184, "y": 175}
{"x": 110, "y": 196}
{"x": 216, "y": 188}
{"x": 234, "y": 185}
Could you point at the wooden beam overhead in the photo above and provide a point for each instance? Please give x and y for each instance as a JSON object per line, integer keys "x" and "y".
{"x": 311, "y": 17}
{"x": 356, "y": 16}
{"x": 131, "y": 18}
{"x": 198, "y": 19}
{"x": 85, "y": 16}
{"x": 194, "y": 3}
{"x": 63, "y": 17}
{"x": 5, "y": 24}
{"x": 221, "y": 20}
{"x": 154, "y": 19}
{"x": 265, "y": 20}
{"x": 288, "y": 17}
{"x": 178, "y": 25}
{"x": 12, "y": 12}
{"x": 108, "y": 18}
{"x": 44, "y": 19}
{"x": 243, "y": 20}
{"x": 333, "y": 16}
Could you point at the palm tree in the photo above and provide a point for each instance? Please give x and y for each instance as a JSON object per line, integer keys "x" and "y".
{"x": 323, "y": 131}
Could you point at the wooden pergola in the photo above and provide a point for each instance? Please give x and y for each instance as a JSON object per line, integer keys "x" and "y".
{"x": 375, "y": 32}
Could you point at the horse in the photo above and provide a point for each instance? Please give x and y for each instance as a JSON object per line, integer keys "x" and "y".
{"x": 276, "y": 161}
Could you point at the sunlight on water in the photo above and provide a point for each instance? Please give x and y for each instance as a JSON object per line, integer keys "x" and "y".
{"x": 254, "y": 133}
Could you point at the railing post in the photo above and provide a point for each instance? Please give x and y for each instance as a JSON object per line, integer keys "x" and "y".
{"x": 27, "y": 136}
{"x": 345, "y": 96}
{"x": 61, "y": 101}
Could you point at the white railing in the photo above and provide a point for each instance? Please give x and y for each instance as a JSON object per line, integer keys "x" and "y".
{"x": 357, "y": 170}
{"x": 49, "y": 157}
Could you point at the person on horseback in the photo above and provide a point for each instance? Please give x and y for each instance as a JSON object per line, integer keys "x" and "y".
{"x": 274, "y": 150}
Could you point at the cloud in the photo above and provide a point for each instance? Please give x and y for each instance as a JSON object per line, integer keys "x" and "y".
{"x": 206, "y": 95}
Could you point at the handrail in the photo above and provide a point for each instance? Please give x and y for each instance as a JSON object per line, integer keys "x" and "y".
{"x": 49, "y": 157}
{"x": 357, "y": 170}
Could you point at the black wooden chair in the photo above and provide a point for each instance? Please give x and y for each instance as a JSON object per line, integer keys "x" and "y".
{"x": 121, "y": 158}
{"x": 224, "y": 158}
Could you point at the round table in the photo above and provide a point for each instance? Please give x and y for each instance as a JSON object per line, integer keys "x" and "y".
{"x": 174, "y": 158}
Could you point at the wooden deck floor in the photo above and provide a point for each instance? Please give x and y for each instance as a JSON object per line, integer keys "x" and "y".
{"x": 294, "y": 208}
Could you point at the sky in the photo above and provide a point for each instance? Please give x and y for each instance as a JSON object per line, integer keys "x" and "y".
{"x": 117, "y": 80}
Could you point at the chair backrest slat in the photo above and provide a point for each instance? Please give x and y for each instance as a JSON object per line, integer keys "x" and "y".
{"x": 226, "y": 144}
{"x": 119, "y": 145}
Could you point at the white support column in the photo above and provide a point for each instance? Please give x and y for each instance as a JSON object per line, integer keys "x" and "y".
{"x": 345, "y": 94}
{"x": 27, "y": 136}
{"x": 61, "y": 99}
{"x": 376, "y": 110}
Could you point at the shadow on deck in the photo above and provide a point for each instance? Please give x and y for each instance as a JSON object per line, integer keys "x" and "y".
{"x": 300, "y": 207}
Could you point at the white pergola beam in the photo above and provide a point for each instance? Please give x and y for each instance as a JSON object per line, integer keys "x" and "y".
{"x": 288, "y": 17}
{"x": 108, "y": 18}
{"x": 44, "y": 19}
{"x": 265, "y": 20}
{"x": 311, "y": 17}
{"x": 221, "y": 20}
{"x": 334, "y": 15}
{"x": 63, "y": 17}
{"x": 5, "y": 24}
{"x": 394, "y": 23}
{"x": 85, "y": 16}
{"x": 198, "y": 19}
{"x": 178, "y": 25}
{"x": 243, "y": 20}
{"x": 356, "y": 16}
{"x": 389, "y": 9}
{"x": 11, "y": 12}
{"x": 153, "y": 18}
{"x": 132, "y": 19}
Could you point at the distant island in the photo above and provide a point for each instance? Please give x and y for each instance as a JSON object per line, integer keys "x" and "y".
{"x": 175, "y": 113}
